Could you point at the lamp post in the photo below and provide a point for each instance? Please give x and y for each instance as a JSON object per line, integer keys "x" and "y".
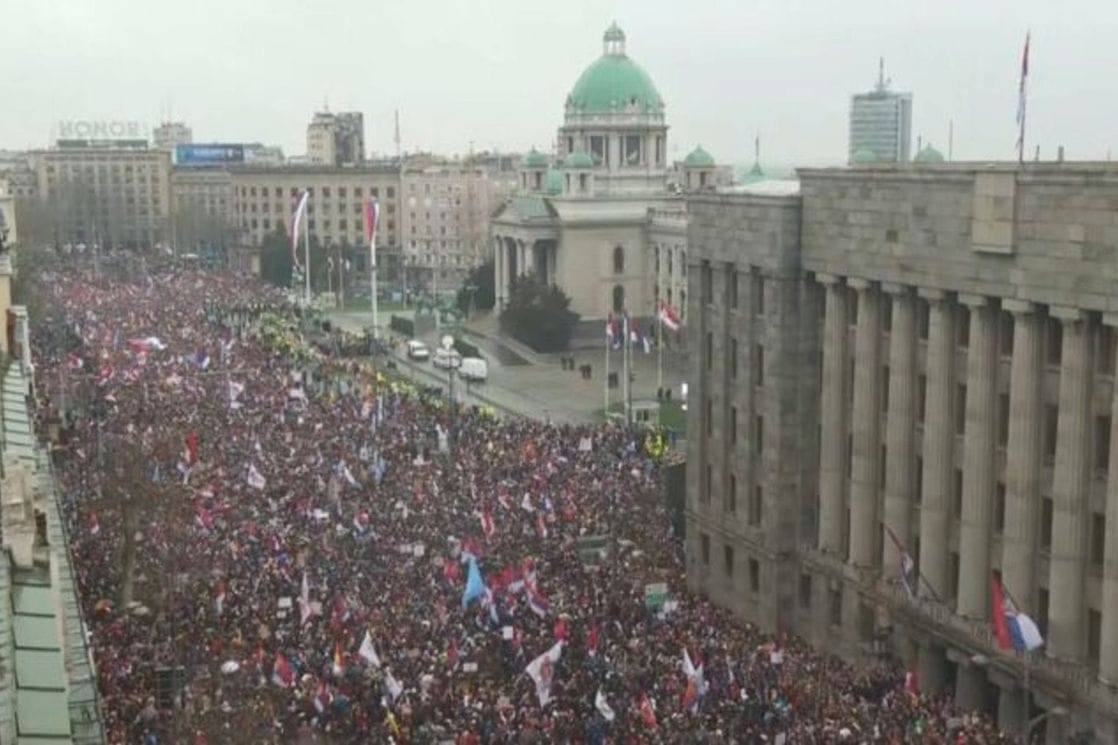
{"x": 452, "y": 365}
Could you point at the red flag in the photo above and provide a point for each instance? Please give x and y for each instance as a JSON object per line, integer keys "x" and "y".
{"x": 487, "y": 524}
{"x": 648, "y": 712}
{"x": 282, "y": 672}
{"x": 1001, "y": 629}
{"x": 560, "y": 629}
{"x": 191, "y": 447}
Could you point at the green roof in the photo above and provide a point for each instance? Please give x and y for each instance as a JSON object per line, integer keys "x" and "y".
{"x": 754, "y": 174}
{"x": 535, "y": 159}
{"x": 530, "y": 207}
{"x": 579, "y": 159}
{"x": 928, "y": 154}
{"x": 554, "y": 183}
{"x": 614, "y": 82}
{"x": 699, "y": 158}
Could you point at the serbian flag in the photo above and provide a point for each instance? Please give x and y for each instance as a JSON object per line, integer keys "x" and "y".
{"x": 696, "y": 686}
{"x": 648, "y": 711}
{"x": 339, "y": 660}
{"x": 538, "y": 602}
{"x": 487, "y": 524}
{"x": 669, "y": 317}
{"x": 908, "y": 566}
{"x": 542, "y": 669}
{"x": 372, "y": 217}
{"x": 94, "y": 524}
{"x": 219, "y": 597}
{"x": 296, "y": 221}
{"x": 323, "y": 698}
{"x": 1013, "y": 628}
{"x": 282, "y": 673}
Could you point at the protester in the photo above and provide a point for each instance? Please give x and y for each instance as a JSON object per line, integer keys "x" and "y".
{"x": 330, "y": 556}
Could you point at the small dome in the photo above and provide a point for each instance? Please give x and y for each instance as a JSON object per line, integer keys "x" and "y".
{"x": 614, "y": 82}
{"x": 579, "y": 159}
{"x": 613, "y": 33}
{"x": 554, "y": 183}
{"x": 699, "y": 158}
{"x": 928, "y": 154}
{"x": 535, "y": 159}
{"x": 863, "y": 155}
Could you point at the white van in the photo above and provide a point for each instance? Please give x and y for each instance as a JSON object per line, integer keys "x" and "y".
{"x": 417, "y": 350}
{"x": 474, "y": 368}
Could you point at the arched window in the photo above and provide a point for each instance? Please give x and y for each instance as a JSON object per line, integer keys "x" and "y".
{"x": 618, "y": 260}
{"x": 618, "y": 298}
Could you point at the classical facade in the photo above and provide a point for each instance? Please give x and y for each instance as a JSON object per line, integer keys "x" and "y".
{"x": 593, "y": 217}
{"x": 926, "y": 352}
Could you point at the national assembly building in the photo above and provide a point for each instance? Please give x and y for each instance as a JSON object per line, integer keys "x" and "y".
{"x": 902, "y": 418}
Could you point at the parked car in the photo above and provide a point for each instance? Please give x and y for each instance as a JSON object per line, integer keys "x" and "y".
{"x": 417, "y": 350}
{"x": 446, "y": 358}
{"x": 474, "y": 368}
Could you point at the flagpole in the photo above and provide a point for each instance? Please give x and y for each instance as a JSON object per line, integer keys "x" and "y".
{"x": 605, "y": 379}
{"x": 626, "y": 361}
{"x": 306, "y": 261}
{"x": 659, "y": 348}
{"x": 373, "y": 267}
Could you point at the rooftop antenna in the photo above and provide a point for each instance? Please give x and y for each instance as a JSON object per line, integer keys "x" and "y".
{"x": 881, "y": 73}
{"x": 397, "y": 136}
{"x": 950, "y": 138}
{"x": 757, "y": 148}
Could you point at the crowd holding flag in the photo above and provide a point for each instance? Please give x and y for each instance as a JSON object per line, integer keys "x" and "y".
{"x": 542, "y": 669}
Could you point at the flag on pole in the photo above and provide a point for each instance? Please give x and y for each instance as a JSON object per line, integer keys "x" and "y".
{"x": 908, "y": 566}
{"x": 648, "y": 711}
{"x": 339, "y": 660}
{"x": 282, "y": 673}
{"x": 487, "y": 526}
{"x": 669, "y": 317}
{"x": 475, "y": 585}
{"x": 542, "y": 669}
{"x": 323, "y": 698}
{"x": 1014, "y": 629}
{"x": 296, "y": 221}
{"x": 1021, "y": 98}
{"x": 372, "y": 217}
{"x": 94, "y": 524}
{"x": 368, "y": 652}
{"x": 255, "y": 479}
{"x": 219, "y": 597}
{"x": 603, "y": 706}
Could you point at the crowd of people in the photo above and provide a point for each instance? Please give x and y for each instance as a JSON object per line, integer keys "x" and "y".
{"x": 274, "y": 545}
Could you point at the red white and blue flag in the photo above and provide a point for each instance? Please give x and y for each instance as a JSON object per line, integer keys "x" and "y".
{"x": 1014, "y": 629}
{"x": 296, "y": 222}
{"x": 669, "y": 317}
{"x": 909, "y": 574}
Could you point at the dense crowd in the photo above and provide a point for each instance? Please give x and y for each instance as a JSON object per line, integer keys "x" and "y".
{"x": 329, "y": 556}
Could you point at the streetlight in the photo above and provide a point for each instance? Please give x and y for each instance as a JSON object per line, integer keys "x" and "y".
{"x": 453, "y": 362}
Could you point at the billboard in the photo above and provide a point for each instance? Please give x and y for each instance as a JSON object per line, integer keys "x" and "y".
{"x": 209, "y": 155}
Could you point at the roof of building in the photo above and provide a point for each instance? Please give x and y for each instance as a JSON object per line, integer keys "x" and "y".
{"x": 531, "y": 207}
{"x": 754, "y": 174}
{"x": 928, "y": 154}
{"x": 579, "y": 159}
{"x": 554, "y": 183}
{"x": 699, "y": 158}
{"x": 614, "y": 82}
{"x": 535, "y": 159}
{"x": 766, "y": 187}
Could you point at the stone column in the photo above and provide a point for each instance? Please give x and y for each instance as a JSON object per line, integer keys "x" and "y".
{"x": 939, "y": 440}
{"x": 1011, "y": 709}
{"x": 1108, "y": 657}
{"x": 865, "y": 421}
{"x": 1022, "y": 465}
{"x": 522, "y": 266}
{"x": 1070, "y": 509}
{"x": 978, "y": 459}
{"x": 900, "y": 426}
{"x": 499, "y": 259}
{"x": 832, "y": 447}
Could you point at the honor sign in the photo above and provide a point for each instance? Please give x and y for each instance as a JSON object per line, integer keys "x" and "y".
{"x": 79, "y": 129}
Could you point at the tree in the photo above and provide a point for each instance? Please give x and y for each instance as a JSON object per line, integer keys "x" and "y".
{"x": 275, "y": 258}
{"x": 538, "y": 315}
{"x": 479, "y": 290}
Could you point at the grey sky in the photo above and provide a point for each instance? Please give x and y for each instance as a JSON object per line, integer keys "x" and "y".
{"x": 497, "y": 71}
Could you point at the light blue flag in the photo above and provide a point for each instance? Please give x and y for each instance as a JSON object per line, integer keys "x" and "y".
{"x": 475, "y": 585}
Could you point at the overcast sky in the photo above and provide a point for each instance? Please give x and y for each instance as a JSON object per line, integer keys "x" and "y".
{"x": 496, "y": 72}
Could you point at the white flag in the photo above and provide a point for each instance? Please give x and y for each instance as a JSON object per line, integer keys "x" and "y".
{"x": 255, "y": 478}
{"x": 368, "y": 651}
{"x": 603, "y": 707}
{"x": 542, "y": 669}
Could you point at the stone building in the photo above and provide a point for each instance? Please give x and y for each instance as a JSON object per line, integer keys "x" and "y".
{"x": 927, "y": 350}
{"x": 593, "y": 218}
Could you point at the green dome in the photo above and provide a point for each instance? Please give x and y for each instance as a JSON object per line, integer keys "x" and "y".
{"x": 928, "y": 154}
{"x": 579, "y": 159}
{"x": 614, "y": 82}
{"x": 554, "y": 184}
{"x": 863, "y": 156}
{"x": 535, "y": 159}
{"x": 699, "y": 158}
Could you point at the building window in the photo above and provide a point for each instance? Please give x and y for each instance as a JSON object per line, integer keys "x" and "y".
{"x": 757, "y": 506}
{"x": 805, "y": 591}
{"x": 618, "y": 260}
{"x": 759, "y": 365}
{"x": 999, "y": 508}
{"x": 618, "y": 298}
{"x": 1046, "y": 524}
{"x": 733, "y": 358}
{"x": 733, "y": 425}
{"x": 731, "y": 505}
{"x": 1098, "y": 539}
{"x": 707, "y": 289}
{"x": 1102, "y": 443}
{"x": 1106, "y": 349}
{"x": 1003, "y": 419}
{"x": 758, "y": 291}
{"x": 962, "y": 327}
{"x": 708, "y": 486}
{"x": 1051, "y": 423}
{"x": 891, "y": 236}
{"x": 1005, "y": 333}
{"x": 836, "y": 607}
{"x": 704, "y": 548}
{"x": 923, "y": 318}
{"x": 1094, "y": 637}
{"x": 957, "y": 494}
{"x": 709, "y": 351}
{"x": 918, "y": 481}
{"x": 1042, "y": 610}
{"x": 710, "y": 417}
{"x": 728, "y": 560}
{"x": 1054, "y": 341}
{"x": 960, "y": 408}
{"x": 732, "y": 279}
{"x": 754, "y": 576}
{"x": 759, "y": 434}
{"x": 953, "y": 576}
{"x": 921, "y": 397}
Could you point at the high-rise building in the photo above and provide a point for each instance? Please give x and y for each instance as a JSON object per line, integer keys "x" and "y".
{"x": 880, "y": 124}
{"x": 106, "y": 191}
{"x": 336, "y": 139}
{"x": 169, "y": 134}
{"x": 896, "y": 399}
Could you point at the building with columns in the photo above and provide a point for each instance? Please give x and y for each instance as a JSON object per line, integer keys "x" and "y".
{"x": 599, "y": 218}
{"x": 925, "y": 351}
